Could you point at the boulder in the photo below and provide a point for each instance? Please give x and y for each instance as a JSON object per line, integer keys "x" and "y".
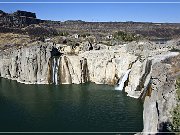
{"x": 87, "y": 46}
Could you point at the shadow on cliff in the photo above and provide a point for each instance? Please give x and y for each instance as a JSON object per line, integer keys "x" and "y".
{"x": 165, "y": 128}
{"x": 55, "y": 52}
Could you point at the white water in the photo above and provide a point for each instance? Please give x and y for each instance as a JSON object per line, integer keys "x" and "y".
{"x": 55, "y": 69}
{"x": 122, "y": 81}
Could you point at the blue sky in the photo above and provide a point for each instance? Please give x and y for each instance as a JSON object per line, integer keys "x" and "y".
{"x": 101, "y": 12}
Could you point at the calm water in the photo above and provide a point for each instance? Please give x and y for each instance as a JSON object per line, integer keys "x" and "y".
{"x": 86, "y": 107}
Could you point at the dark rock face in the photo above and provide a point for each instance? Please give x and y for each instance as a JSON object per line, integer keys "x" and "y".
{"x": 18, "y": 19}
{"x": 2, "y": 13}
{"x": 96, "y": 47}
{"x": 55, "y": 52}
{"x": 87, "y": 46}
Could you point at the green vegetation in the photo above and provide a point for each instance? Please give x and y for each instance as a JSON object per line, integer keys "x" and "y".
{"x": 84, "y": 35}
{"x": 123, "y": 36}
{"x": 176, "y": 119}
{"x": 8, "y": 40}
{"x": 40, "y": 31}
{"x": 73, "y": 44}
{"x": 176, "y": 111}
{"x": 63, "y": 33}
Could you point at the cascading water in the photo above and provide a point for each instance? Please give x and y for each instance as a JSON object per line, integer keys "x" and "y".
{"x": 55, "y": 70}
{"x": 122, "y": 81}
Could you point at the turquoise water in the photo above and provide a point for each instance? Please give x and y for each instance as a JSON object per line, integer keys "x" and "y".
{"x": 78, "y": 108}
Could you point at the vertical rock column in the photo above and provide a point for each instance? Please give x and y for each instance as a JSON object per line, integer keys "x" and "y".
{"x": 84, "y": 71}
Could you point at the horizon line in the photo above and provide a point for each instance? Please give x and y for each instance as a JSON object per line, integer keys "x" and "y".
{"x": 96, "y": 21}
{"x": 81, "y": 132}
{"x": 113, "y": 21}
{"x": 88, "y": 2}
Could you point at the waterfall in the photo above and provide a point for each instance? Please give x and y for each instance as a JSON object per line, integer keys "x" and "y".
{"x": 122, "y": 81}
{"x": 55, "y": 69}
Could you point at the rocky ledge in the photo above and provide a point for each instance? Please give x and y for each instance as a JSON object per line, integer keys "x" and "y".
{"x": 162, "y": 97}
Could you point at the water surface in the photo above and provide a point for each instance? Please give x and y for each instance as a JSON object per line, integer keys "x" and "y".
{"x": 77, "y": 108}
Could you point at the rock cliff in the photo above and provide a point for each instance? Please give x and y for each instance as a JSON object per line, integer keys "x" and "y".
{"x": 150, "y": 68}
{"x": 18, "y": 19}
{"x": 49, "y": 63}
{"x": 161, "y": 98}
{"x": 151, "y": 77}
{"x": 39, "y": 63}
{"x": 26, "y": 64}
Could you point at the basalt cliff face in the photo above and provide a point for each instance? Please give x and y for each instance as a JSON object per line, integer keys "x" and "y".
{"x": 50, "y": 63}
{"x": 161, "y": 96}
{"x": 47, "y": 63}
{"x": 151, "y": 76}
{"x": 26, "y": 64}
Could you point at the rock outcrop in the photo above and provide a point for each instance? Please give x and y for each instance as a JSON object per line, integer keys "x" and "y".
{"x": 160, "y": 99}
{"x": 45, "y": 63}
{"x": 50, "y": 63}
{"x": 26, "y": 64}
{"x": 18, "y": 19}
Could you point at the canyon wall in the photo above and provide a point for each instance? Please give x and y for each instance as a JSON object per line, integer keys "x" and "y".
{"x": 46, "y": 63}
{"x": 152, "y": 78}
{"x": 26, "y": 64}
{"x": 18, "y": 19}
{"x": 161, "y": 97}
{"x": 38, "y": 64}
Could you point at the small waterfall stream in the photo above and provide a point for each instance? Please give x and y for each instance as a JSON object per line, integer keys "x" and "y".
{"x": 55, "y": 70}
{"x": 121, "y": 82}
